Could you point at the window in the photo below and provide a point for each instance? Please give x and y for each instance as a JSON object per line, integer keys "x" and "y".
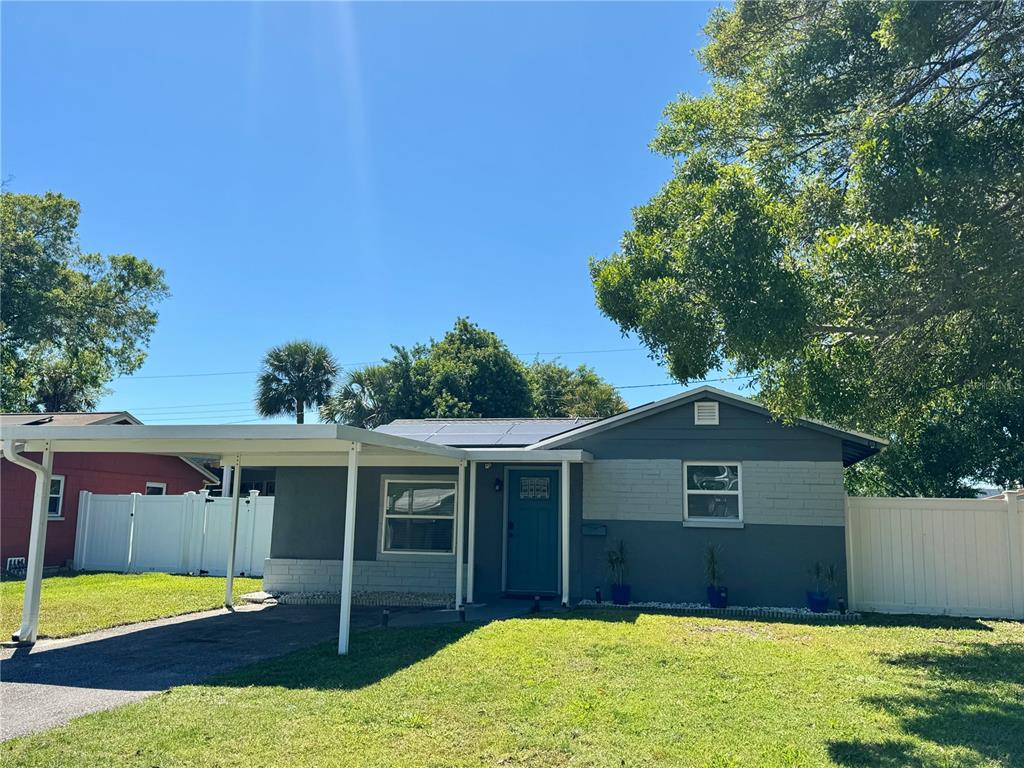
{"x": 534, "y": 487}
{"x": 156, "y": 489}
{"x": 712, "y": 493}
{"x": 56, "y": 501}
{"x": 419, "y": 516}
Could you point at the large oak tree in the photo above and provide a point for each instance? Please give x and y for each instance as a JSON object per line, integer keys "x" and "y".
{"x": 845, "y": 221}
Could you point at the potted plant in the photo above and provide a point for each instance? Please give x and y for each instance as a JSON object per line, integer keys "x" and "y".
{"x": 617, "y": 568}
{"x": 823, "y": 579}
{"x": 718, "y": 596}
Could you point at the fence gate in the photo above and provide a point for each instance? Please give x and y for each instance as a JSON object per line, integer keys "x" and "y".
{"x": 171, "y": 534}
{"x": 961, "y": 557}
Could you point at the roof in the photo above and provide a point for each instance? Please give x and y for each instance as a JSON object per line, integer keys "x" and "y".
{"x": 856, "y": 445}
{"x": 265, "y": 445}
{"x": 68, "y": 419}
{"x": 505, "y": 433}
{"x": 89, "y": 419}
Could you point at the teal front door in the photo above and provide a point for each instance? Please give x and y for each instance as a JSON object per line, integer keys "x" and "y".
{"x": 532, "y": 531}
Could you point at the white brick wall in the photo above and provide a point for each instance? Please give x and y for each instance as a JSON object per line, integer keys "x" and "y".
{"x": 793, "y": 492}
{"x": 774, "y": 492}
{"x": 282, "y": 574}
{"x": 633, "y": 489}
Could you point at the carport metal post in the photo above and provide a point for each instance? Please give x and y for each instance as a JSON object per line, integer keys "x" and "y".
{"x": 349, "y": 550}
{"x": 37, "y": 538}
{"x": 229, "y": 584}
{"x": 564, "y": 498}
{"x": 471, "y": 544}
{"x": 460, "y": 513}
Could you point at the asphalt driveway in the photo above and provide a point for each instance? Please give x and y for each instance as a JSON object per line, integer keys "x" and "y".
{"x": 57, "y": 680}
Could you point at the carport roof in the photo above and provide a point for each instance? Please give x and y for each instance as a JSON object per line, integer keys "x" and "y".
{"x": 258, "y": 445}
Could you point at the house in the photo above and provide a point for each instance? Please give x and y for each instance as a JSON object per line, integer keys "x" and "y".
{"x": 74, "y": 472}
{"x": 666, "y": 479}
{"x": 467, "y": 510}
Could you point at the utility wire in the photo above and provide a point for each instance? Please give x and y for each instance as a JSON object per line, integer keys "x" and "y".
{"x": 345, "y": 366}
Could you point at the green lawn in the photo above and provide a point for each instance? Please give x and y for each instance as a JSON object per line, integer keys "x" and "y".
{"x": 71, "y": 605}
{"x": 593, "y": 689}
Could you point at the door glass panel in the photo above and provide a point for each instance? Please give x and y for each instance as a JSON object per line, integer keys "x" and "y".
{"x": 534, "y": 488}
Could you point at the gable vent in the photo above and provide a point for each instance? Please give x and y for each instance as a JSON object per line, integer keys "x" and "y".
{"x": 705, "y": 412}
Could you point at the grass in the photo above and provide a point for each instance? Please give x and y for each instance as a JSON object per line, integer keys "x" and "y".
{"x": 71, "y": 605}
{"x": 593, "y": 689}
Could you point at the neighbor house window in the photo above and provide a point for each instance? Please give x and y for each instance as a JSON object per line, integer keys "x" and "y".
{"x": 419, "y": 516}
{"x": 56, "y": 501}
{"x": 156, "y": 489}
{"x": 712, "y": 492}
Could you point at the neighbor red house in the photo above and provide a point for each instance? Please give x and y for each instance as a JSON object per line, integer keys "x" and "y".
{"x": 75, "y": 472}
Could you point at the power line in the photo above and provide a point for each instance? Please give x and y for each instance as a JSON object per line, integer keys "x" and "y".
{"x": 344, "y": 366}
{"x": 164, "y": 414}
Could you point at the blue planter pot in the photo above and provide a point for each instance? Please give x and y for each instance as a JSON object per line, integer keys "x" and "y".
{"x": 620, "y": 594}
{"x": 718, "y": 597}
{"x": 817, "y": 602}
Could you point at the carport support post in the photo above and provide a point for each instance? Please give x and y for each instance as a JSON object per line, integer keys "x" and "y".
{"x": 349, "y": 551}
{"x": 229, "y": 582}
{"x": 225, "y": 480}
{"x": 36, "y": 549}
{"x": 471, "y": 544}
{"x": 564, "y": 499}
{"x": 460, "y": 513}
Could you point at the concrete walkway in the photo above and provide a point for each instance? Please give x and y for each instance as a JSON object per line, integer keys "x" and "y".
{"x": 57, "y": 680}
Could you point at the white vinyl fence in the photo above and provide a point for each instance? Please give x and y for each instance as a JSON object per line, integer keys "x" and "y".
{"x": 172, "y": 534}
{"x": 960, "y": 557}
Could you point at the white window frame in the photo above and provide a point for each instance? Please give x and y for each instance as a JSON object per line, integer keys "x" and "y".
{"x": 154, "y": 484}
{"x": 60, "y": 499}
{"x": 713, "y": 522}
{"x": 426, "y": 480}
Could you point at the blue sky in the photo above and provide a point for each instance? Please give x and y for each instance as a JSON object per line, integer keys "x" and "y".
{"x": 356, "y": 174}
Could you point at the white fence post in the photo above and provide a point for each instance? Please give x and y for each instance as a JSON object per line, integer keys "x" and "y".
{"x": 82, "y": 529}
{"x": 188, "y": 503}
{"x": 131, "y": 531}
{"x": 253, "y": 497}
{"x": 1015, "y": 547}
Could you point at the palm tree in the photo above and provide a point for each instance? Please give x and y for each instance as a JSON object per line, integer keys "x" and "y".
{"x": 364, "y": 400}
{"x": 295, "y": 375}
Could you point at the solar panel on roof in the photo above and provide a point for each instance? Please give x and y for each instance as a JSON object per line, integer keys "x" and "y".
{"x": 482, "y": 432}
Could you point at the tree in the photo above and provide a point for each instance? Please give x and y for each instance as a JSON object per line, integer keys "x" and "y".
{"x": 846, "y": 223}
{"x": 295, "y": 375}
{"x": 560, "y": 391}
{"x": 69, "y": 321}
{"x": 470, "y": 372}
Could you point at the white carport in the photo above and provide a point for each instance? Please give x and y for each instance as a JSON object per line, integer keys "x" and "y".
{"x": 265, "y": 446}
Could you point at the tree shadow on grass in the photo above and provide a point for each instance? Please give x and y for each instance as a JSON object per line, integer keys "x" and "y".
{"x": 374, "y": 655}
{"x": 968, "y": 699}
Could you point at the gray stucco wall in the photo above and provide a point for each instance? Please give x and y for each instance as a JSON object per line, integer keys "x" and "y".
{"x": 739, "y": 435}
{"x": 764, "y": 565}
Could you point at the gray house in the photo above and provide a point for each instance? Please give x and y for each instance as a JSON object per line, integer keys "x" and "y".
{"x": 541, "y": 501}
{"x": 467, "y": 510}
